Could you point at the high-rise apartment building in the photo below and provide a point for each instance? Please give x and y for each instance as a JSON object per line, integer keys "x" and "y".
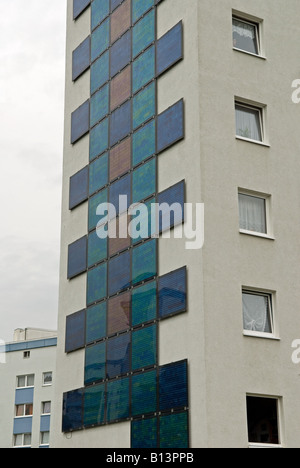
{"x": 162, "y": 345}
{"x": 27, "y": 374}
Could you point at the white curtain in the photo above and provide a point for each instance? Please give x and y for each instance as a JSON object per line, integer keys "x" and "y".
{"x": 244, "y": 29}
{"x": 248, "y": 123}
{"x": 252, "y": 213}
{"x": 256, "y": 313}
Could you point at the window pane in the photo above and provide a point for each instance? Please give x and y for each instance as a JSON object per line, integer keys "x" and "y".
{"x": 47, "y": 407}
{"x": 19, "y": 440}
{"x": 257, "y": 313}
{"x": 28, "y": 410}
{"x": 248, "y": 123}
{"x": 252, "y": 213}
{"x": 20, "y": 410}
{"x": 27, "y": 440}
{"x": 30, "y": 380}
{"x": 45, "y": 438}
{"x": 263, "y": 420}
{"x": 48, "y": 378}
{"x": 21, "y": 381}
{"x": 245, "y": 36}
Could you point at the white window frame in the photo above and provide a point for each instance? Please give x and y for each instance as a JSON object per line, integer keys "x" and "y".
{"x": 23, "y": 440}
{"x": 43, "y": 407}
{"x": 44, "y": 376}
{"x": 274, "y": 335}
{"x": 26, "y": 381}
{"x": 259, "y": 25}
{"x": 268, "y": 212}
{"x": 24, "y": 415}
{"x": 261, "y": 109}
{"x": 43, "y": 444}
{"x": 256, "y": 445}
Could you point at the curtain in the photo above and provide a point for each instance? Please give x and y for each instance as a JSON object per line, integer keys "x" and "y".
{"x": 252, "y": 213}
{"x": 256, "y": 313}
{"x": 245, "y": 36}
{"x": 248, "y": 123}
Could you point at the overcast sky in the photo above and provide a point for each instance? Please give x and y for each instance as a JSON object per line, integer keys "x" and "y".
{"x": 32, "y": 49}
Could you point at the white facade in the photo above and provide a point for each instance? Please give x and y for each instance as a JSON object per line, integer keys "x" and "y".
{"x": 27, "y": 376}
{"x": 226, "y": 365}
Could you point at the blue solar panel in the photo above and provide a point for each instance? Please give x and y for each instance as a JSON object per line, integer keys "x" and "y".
{"x": 117, "y": 405}
{"x": 99, "y": 139}
{"x": 100, "y": 40}
{"x": 144, "y": 105}
{"x": 120, "y": 188}
{"x": 143, "y": 143}
{"x": 120, "y": 123}
{"x": 98, "y": 174}
{"x": 144, "y": 393}
{"x": 94, "y": 405}
{"x": 144, "y": 303}
{"x": 173, "y": 387}
{"x": 99, "y": 105}
{"x": 144, "y": 264}
{"x": 139, "y": 8}
{"x": 79, "y": 6}
{"x": 100, "y": 72}
{"x": 118, "y": 356}
{"x": 77, "y": 258}
{"x": 72, "y": 411}
{"x": 97, "y": 249}
{"x": 143, "y": 69}
{"x": 97, "y": 284}
{"x": 81, "y": 59}
{"x": 170, "y": 126}
{"x": 95, "y": 360}
{"x": 144, "y": 434}
{"x": 171, "y": 203}
{"x": 80, "y": 122}
{"x": 96, "y": 322}
{"x": 144, "y": 181}
{"x": 169, "y": 49}
{"x": 120, "y": 54}
{"x": 143, "y": 33}
{"x": 172, "y": 290}
{"x": 100, "y": 10}
{"x": 78, "y": 188}
{"x": 119, "y": 273}
{"x": 75, "y": 332}
{"x": 173, "y": 433}
{"x": 144, "y": 348}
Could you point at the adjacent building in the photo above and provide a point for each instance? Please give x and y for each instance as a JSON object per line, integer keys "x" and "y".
{"x": 160, "y": 345}
{"x": 27, "y": 374}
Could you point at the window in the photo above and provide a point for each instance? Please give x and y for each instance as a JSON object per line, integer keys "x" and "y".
{"x": 253, "y": 211}
{"x": 26, "y": 354}
{"x": 263, "y": 421}
{"x": 22, "y": 440}
{"x": 46, "y": 407}
{"x": 24, "y": 410}
{"x": 25, "y": 381}
{"x": 246, "y": 36}
{"x": 45, "y": 438}
{"x": 47, "y": 378}
{"x": 249, "y": 122}
{"x": 258, "y": 313}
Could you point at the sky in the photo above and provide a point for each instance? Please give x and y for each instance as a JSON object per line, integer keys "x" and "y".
{"x": 32, "y": 56}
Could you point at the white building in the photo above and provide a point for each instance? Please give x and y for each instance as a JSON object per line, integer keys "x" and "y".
{"x": 185, "y": 101}
{"x": 27, "y": 375}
